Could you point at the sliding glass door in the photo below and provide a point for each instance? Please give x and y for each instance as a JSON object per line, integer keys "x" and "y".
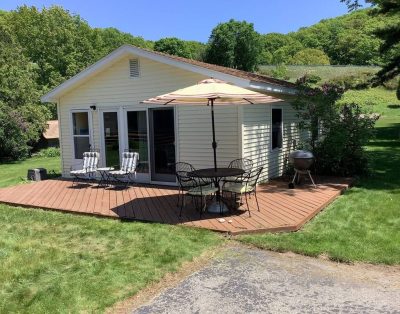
{"x": 149, "y": 132}
{"x": 111, "y": 142}
{"x": 137, "y": 138}
{"x": 162, "y": 147}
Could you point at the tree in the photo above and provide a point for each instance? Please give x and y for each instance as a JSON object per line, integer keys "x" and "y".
{"x": 389, "y": 34}
{"x": 285, "y": 53}
{"x": 172, "y": 46}
{"x": 111, "y": 38}
{"x": 234, "y": 44}
{"x": 196, "y": 49}
{"x": 273, "y": 41}
{"x": 310, "y": 56}
{"x": 58, "y": 42}
{"x": 22, "y": 117}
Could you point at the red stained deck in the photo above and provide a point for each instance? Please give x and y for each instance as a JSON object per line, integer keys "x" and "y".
{"x": 281, "y": 209}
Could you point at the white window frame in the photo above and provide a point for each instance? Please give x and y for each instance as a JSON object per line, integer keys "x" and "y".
{"x": 90, "y": 135}
{"x": 276, "y": 149}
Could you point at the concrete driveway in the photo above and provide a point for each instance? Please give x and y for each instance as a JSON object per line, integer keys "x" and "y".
{"x": 244, "y": 280}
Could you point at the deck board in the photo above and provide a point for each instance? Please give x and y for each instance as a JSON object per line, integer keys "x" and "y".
{"x": 281, "y": 209}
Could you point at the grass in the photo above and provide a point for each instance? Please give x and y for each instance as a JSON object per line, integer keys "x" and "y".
{"x": 326, "y": 72}
{"x": 15, "y": 172}
{"x": 53, "y": 262}
{"x": 362, "y": 225}
{"x": 379, "y": 100}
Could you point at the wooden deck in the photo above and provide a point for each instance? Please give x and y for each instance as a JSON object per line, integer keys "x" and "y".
{"x": 281, "y": 209}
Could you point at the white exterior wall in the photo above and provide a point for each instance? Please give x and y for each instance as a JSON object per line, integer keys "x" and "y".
{"x": 256, "y": 130}
{"x": 114, "y": 88}
{"x": 195, "y": 135}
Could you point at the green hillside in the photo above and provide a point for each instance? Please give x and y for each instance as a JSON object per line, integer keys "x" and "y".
{"x": 347, "y": 39}
{"x": 326, "y": 73}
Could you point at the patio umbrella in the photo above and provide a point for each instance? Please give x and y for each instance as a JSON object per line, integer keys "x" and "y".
{"x": 214, "y": 92}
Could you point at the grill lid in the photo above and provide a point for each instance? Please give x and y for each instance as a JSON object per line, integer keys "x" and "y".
{"x": 301, "y": 154}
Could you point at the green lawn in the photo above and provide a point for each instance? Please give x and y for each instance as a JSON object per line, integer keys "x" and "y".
{"x": 364, "y": 224}
{"x": 54, "y": 262}
{"x": 15, "y": 172}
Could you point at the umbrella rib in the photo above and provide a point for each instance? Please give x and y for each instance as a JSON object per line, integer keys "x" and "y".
{"x": 248, "y": 101}
{"x": 169, "y": 101}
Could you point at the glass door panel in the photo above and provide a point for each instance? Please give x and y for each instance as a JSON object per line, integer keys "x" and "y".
{"x": 163, "y": 145}
{"x": 137, "y": 138}
{"x": 111, "y": 138}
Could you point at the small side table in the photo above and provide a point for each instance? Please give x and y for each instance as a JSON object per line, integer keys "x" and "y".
{"x": 105, "y": 176}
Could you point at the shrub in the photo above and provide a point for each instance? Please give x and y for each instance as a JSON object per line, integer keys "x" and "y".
{"x": 280, "y": 72}
{"x": 12, "y": 134}
{"x": 354, "y": 81}
{"x": 392, "y": 84}
{"x": 48, "y": 152}
{"x": 338, "y": 133}
{"x": 310, "y": 56}
{"x": 341, "y": 148}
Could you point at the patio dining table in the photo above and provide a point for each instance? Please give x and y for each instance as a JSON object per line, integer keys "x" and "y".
{"x": 216, "y": 175}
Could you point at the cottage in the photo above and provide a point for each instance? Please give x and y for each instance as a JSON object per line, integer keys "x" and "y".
{"x": 101, "y": 108}
{"x": 50, "y": 136}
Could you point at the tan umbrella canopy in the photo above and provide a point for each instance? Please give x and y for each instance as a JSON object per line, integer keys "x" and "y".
{"x": 214, "y": 92}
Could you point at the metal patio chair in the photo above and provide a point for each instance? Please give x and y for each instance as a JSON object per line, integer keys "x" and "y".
{"x": 88, "y": 169}
{"x": 241, "y": 163}
{"x": 181, "y": 171}
{"x": 127, "y": 172}
{"x": 196, "y": 188}
{"x": 246, "y": 188}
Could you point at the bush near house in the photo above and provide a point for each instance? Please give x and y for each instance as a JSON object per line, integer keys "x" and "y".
{"x": 338, "y": 134}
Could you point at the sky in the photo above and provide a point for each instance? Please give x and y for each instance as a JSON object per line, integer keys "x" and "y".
{"x": 192, "y": 20}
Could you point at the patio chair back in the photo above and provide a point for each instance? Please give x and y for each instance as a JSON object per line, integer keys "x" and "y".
{"x": 130, "y": 161}
{"x": 181, "y": 171}
{"x": 242, "y": 163}
{"x": 90, "y": 161}
{"x": 253, "y": 177}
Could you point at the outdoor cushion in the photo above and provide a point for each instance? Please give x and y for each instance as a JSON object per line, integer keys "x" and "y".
{"x": 129, "y": 161}
{"x": 203, "y": 190}
{"x": 238, "y": 188}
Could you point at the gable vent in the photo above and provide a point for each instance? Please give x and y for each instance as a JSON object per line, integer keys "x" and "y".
{"x": 134, "y": 70}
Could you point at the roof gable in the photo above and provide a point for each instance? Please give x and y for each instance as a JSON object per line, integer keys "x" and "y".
{"x": 237, "y": 77}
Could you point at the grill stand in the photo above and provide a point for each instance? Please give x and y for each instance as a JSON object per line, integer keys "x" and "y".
{"x": 297, "y": 174}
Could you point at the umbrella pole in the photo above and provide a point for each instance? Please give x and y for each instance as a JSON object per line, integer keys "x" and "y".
{"x": 214, "y": 143}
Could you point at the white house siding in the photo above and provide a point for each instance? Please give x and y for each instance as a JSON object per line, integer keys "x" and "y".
{"x": 256, "y": 130}
{"x": 195, "y": 135}
{"x": 113, "y": 87}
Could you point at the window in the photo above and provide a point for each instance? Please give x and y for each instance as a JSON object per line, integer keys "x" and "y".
{"x": 81, "y": 137}
{"x": 134, "y": 70}
{"x": 276, "y": 140}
